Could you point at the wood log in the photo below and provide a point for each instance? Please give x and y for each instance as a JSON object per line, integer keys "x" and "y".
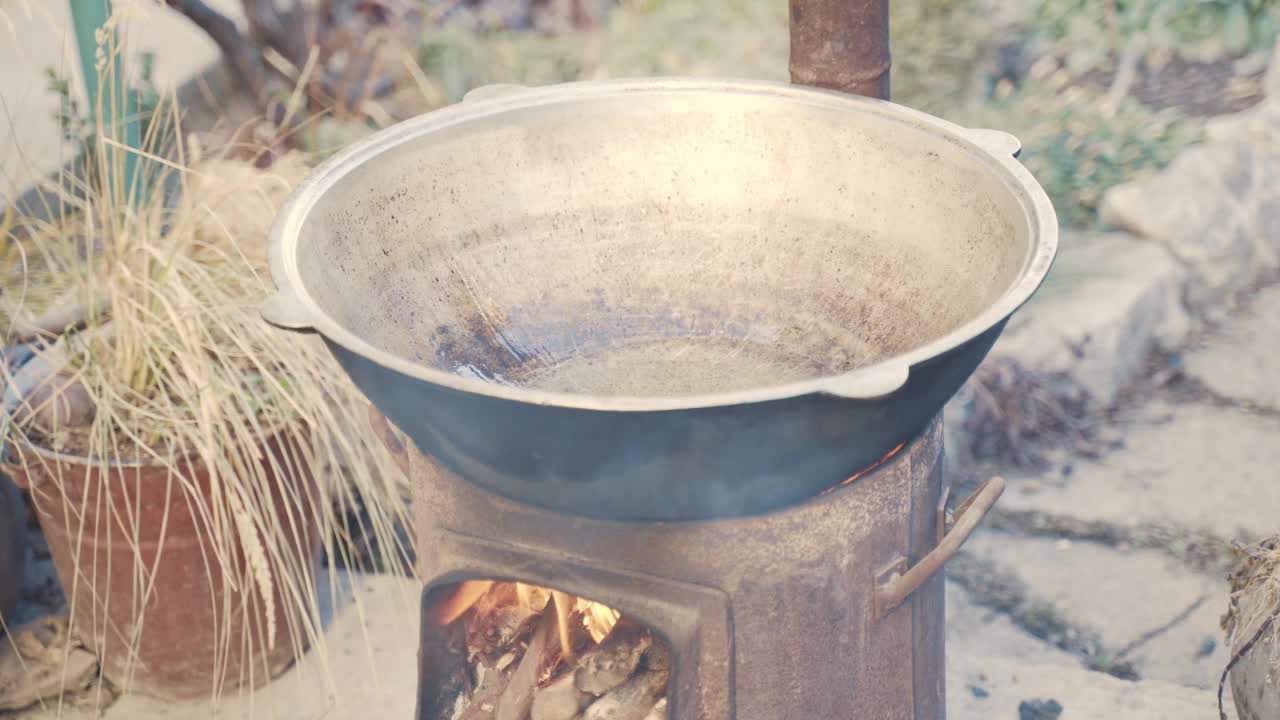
{"x": 517, "y": 699}
{"x": 483, "y": 705}
{"x": 497, "y": 622}
{"x": 658, "y": 656}
{"x": 560, "y": 700}
{"x": 613, "y": 661}
{"x": 632, "y": 700}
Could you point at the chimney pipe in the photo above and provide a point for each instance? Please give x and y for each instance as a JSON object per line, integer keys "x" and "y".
{"x": 841, "y": 45}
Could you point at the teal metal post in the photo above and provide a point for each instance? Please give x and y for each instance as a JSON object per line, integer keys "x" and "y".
{"x": 113, "y": 107}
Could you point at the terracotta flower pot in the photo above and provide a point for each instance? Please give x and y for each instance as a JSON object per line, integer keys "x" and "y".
{"x": 12, "y": 548}
{"x": 157, "y": 611}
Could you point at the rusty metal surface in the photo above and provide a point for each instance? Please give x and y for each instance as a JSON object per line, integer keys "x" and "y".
{"x": 656, "y": 299}
{"x": 928, "y": 613}
{"x": 841, "y": 45}
{"x": 769, "y": 617}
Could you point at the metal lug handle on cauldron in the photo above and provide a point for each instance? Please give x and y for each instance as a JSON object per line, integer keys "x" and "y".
{"x": 283, "y": 310}
{"x": 868, "y": 384}
{"x": 898, "y": 582}
{"x": 485, "y": 92}
{"x": 996, "y": 142}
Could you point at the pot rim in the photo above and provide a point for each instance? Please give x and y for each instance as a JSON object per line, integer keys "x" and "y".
{"x": 49, "y": 454}
{"x": 882, "y": 377}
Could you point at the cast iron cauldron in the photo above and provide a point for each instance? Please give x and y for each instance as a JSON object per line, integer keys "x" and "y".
{"x": 662, "y": 299}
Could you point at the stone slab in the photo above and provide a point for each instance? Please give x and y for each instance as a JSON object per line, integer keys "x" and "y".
{"x": 1241, "y": 360}
{"x": 1194, "y": 466}
{"x": 1084, "y": 695}
{"x": 1123, "y": 595}
{"x": 976, "y": 631}
{"x": 1110, "y": 300}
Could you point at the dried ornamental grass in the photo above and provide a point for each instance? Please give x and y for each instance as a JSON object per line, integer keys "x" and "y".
{"x": 166, "y": 348}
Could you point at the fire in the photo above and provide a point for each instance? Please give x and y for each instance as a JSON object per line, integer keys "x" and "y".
{"x": 864, "y": 471}
{"x": 598, "y": 619}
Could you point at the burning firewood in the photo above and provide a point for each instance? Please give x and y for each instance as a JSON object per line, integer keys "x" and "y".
{"x": 538, "y": 654}
{"x": 597, "y": 618}
{"x": 466, "y": 595}
{"x": 517, "y": 699}
{"x": 631, "y": 700}
{"x": 561, "y": 700}
{"x": 612, "y": 662}
{"x": 564, "y": 606}
{"x": 496, "y": 622}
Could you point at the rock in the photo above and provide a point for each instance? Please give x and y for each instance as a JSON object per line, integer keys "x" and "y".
{"x": 561, "y": 700}
{"x": 612, "y": 662}
{"x": 1207, "y": 646}
{"x": 1039, "y": 710}
{"x": 1215, "y": 208}
{"x": 36, "y": 664}
{"x": 632, "y": 700}
{"x": 1271, "y": 80}
{"x": 55, "y": 404}
{"x": 1241, "y": 360}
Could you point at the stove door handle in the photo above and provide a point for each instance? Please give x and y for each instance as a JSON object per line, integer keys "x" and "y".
{"x": 488, "y": 92}
{"x": 896, "y": 583}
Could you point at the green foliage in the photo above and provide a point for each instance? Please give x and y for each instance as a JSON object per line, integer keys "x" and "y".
{"x": 946, "y": 54}
{"x": 942, "y": 51}
{"x": 743, "y": 38}
{"x": 71, "y": 120}
{"x": 76, "y": 123}
{"x": 1076, "y": 149}
{"x": 1088, "y": 32}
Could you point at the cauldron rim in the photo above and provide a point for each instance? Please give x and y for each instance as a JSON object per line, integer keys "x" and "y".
{"x": 292, "y": 307}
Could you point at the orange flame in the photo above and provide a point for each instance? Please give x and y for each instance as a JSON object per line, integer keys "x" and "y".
{"x": 463, "y": 597}
{"x": 597, "y": 618}
{"x": 864, "y": 471}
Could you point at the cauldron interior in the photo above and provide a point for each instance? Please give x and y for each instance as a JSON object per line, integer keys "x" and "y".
{"x": 664, "y": 245}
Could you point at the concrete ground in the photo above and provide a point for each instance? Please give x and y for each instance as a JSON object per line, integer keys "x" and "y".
{"x": 1118, "y": 563}
{"x": 367, "y": 670}
{"x": 1097, "y": 584}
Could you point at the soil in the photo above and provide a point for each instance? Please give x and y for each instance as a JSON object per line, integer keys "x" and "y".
{"x": 1195, "y": 88}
